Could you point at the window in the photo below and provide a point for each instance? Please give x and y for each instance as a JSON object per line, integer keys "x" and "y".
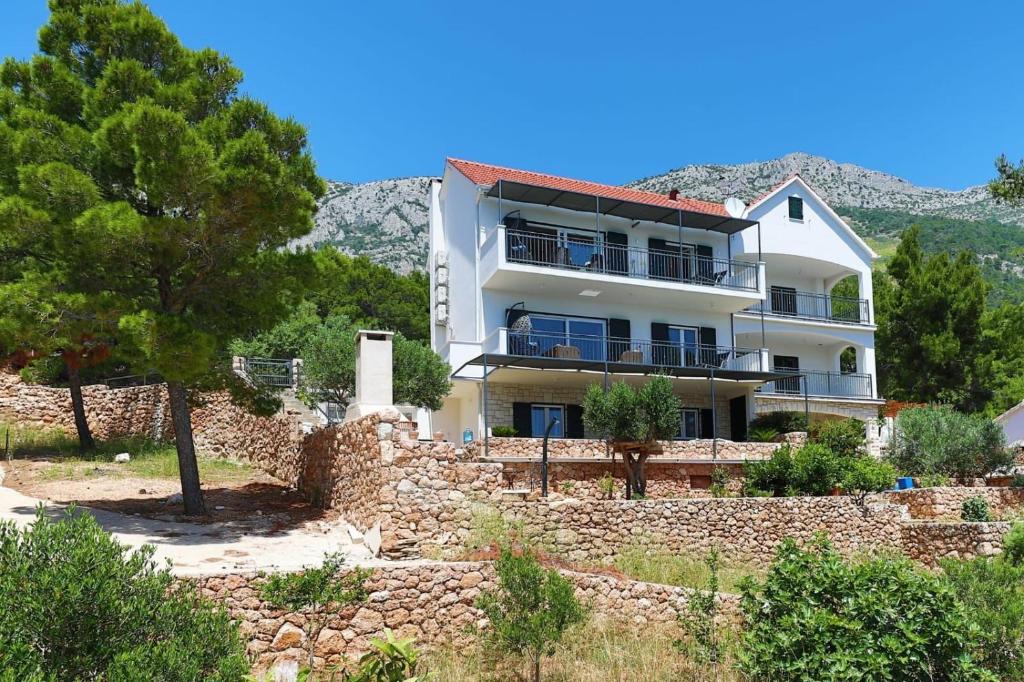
{"x": 586, "y": 335}
{"x": 541, "y": 416}
{"x": 783, "y": 300}
{"x": 796, "y": 208}
{"x": 787, "y": 363}
{"x": 689, "y": 419}
{"x": 686, "y": 339}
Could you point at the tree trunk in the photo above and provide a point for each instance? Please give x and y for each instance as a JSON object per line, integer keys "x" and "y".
{"x": 85, "y": 440}
{"x": 191, "y": 492}
{"x": 536, "y": 668}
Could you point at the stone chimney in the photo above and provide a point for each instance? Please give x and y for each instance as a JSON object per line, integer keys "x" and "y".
{"x": 373, "y": 375}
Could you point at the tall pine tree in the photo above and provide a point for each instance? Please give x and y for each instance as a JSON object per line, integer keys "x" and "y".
{"x": 196, "y": 190}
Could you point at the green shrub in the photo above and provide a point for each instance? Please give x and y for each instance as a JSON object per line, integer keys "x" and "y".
{"x": 77, "y": 605}
{"x": 312, "y": 590}
{"x": 504, "y": 431}
{"x": 720, "y": 478}
{"x": 975, "y": 509}
{"x": 929, "y": 440}
{"x": 817, "y": 470}
{"x": 606, "y": 484}
{"x": 530, "y": 609}
{"x": 773, "y": 475}
{"x": 389, "y": 660}
{"x": 703, "y": 642}
{"x": 1017, "y": 481}
{"x": 1013, "y": 545}
{"x": 782, "y": 422}
{"x": 762, "y": 434}
{"x": 817, "y": 616}
{"x": 844, "y": 437}
{"x": 866, "y": 475}
{"x": 993, "y": 589}
{"x": 933, "y": 480}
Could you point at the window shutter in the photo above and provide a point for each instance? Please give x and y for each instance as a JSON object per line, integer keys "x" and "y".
{"x": 661, "y": 352}
{"x": 796, "y": 208}
{"x": 709, "y": 346}
{"x": 657, "y": 258}
{"x": 618, "y": 338}
{"x": 521, "y": 420}
{"x": 573, "y": 421}
{"x": 707, "y": 423}
{"x": 616, "y": 257}
{"x": 705, "y": 264}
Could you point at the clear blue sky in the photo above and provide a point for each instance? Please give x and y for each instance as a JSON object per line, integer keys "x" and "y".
{"x": 613, "y": 91}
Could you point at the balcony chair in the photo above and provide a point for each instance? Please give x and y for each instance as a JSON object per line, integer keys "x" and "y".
{"x": 518, "y": 250}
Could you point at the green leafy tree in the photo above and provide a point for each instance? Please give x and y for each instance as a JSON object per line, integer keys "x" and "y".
{"x": 646, "y": 414}
{"x": 421, "y": 378}
{"x": 77, "y": 605}
{"x": 189, "y": 191}
{"x": 845, "y": 437}
{"x": 531, "y": 608}
{"x": 940, "y": 440}
{"x": 1002, "y": 359}
{"x": 817, "y": 616}
{"x": 866, "y": 475}
{"x": 929, "y": 311}
{"x": 313, "y": 590}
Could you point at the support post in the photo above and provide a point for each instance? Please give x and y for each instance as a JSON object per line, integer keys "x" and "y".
{"x": 714, "y": 420}
{"x": 807, "y": 410}
{"x": 544, "y": 458}
{"x": 487, "y": 433}
{"x": 502, "y": 218}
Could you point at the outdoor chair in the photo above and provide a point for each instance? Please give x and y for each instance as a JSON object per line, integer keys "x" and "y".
{"x": 632, "y": 356}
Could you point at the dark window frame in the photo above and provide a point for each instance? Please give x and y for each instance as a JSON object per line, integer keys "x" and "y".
{"x": 797, "y": 202}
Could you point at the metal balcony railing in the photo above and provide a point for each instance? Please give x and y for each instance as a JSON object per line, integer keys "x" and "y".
{"x": 820, "y": 384}
{"x": 585, "y": 254}
{"x": 568, "y": 346}
{"x": 810, "y": 306}
{"x": 270, "y": 371}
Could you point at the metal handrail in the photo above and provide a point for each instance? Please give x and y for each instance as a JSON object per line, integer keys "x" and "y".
{"x": 577, "y": 253}
{"x": 813, "y": 306}
{"x": 820, "y": 383}
{"x": 613, "y": 349}
{"x": 270, "y": 371}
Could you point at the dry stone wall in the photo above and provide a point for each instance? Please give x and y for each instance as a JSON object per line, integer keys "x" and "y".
{"x": 928, "y": 541}
{"x": 701, "y": 449}
{"x": 946, "y": 502}
{"x": 432, "y": 602}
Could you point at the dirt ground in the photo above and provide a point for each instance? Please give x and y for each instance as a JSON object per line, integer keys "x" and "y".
{"x": 247, "y": 501}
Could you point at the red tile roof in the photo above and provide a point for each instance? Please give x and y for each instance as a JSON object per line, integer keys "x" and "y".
{"x": 486, "y": 174}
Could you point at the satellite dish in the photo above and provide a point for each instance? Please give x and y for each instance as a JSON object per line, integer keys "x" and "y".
{"x": 735, "y": 207}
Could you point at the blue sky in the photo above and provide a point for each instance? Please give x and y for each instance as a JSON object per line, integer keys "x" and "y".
{"x": 613, "y": 91}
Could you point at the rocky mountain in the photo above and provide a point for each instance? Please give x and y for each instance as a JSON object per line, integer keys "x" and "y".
{"x": 387, "y": 220}
{"x": 841, "y": 184}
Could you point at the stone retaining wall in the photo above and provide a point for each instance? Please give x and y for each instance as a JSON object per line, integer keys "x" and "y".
{"x": 928, "y": 541}
{"x": 432, "y": 602}
{"x": 946, "y": 502}
{"x": 589, "y": 447}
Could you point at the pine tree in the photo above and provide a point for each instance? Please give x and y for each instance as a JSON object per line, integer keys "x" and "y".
{"x": 188, "y": 191}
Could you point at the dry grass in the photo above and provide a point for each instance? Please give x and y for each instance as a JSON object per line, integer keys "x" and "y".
{"x": 666, "y": 568}
{"x": 149, "y": 459}
{"x": 599, "y": 651}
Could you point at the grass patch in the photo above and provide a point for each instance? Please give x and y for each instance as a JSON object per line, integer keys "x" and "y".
{"x": 149, "y": 459}
{"x": 597, "y": 651}
{"x": 665, "y": 568}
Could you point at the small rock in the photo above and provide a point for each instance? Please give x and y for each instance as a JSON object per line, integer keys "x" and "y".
{"x": 219, "y": 507}
{"x": 176, "y": 498}
{"x": 122, "y": 457}
{"x": 142, "y": 491}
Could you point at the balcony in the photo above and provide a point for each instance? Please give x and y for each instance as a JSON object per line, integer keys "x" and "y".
{"x": 804, "y": 305}
{"x": 580, "y": 351}
{"x": 820, "y": 384}
{"x": 529, "y": 261}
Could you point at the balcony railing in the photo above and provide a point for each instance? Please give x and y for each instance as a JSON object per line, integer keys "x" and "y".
{"x": 568, "y": 346}
{"x": 588, "y": 255}
{"x": 821, "y": 384}
{"x": 809, "y": 306}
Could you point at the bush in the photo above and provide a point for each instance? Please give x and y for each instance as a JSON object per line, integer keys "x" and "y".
{"x": 389, "y": 660}
{"x": 762, "y": 434}
{"x": 773, "y": 475}
{"x": 817, "y": 616}
{"x": 866, "y": 475}
{"x": 531, "y": 608}
{"x": 933, "y": 480}
{"x": 994, "y": 591}
{"x": 720, "y": 478}
{"x": 1017, "y": 481}
{"x": 811, "y": 470}
{"x": 504, "y": 431}
{"x": 939, "y": 440}
{"x": 77, "y": 605}
{"x": 1013, "y": 545}
{"x": 782, "y": 422}
{"x": 975, "y": 509}
{"x": 606, "y": 484}
{"x": 844, "y": 437}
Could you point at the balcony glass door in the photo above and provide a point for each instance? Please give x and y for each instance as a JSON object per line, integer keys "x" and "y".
{"x": 580, "y": 250}
{"x": 686, "y": 340}
{"x": 783, "y": 300}
{"x": 569, "y": 337}
{"x": 541, "y": 416}
{"x": 787, "y": 363}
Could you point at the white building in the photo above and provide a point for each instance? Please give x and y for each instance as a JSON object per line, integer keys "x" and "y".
{"x": 542, "y": 285}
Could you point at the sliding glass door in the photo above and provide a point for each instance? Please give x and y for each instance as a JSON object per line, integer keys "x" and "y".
{"x": 569, "y": 337}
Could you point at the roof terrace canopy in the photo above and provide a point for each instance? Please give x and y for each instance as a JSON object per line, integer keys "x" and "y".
{"x": 507, "y": 190}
